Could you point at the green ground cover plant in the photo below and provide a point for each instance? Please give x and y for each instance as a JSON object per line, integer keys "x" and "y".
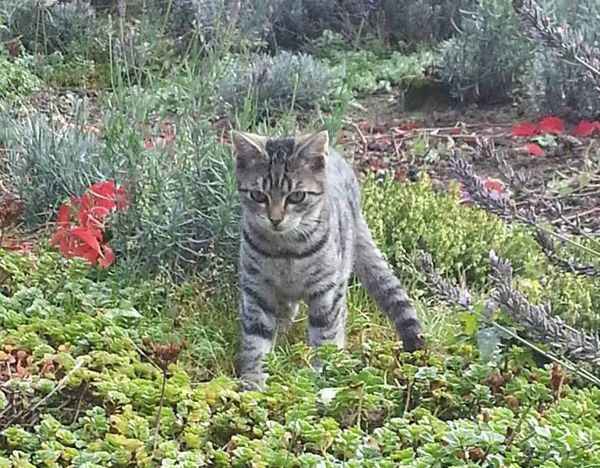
{"x": 69, "y": 337}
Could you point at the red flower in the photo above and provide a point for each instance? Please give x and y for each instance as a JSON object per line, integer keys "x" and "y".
{"x": 526, "y": 129}
{"x": 493, "y": 185}
{"x": 107, "y": 258}
{"x": 585, "y": 128}
{"x": 533, "y": 149}
{"x": 85, "y": 240}
{"x": 64, "y": 216}
{"x": 551, "y": 125}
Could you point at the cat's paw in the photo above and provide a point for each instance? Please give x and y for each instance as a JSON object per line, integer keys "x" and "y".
{"x": 413, "y": 343}
{"x": 256, "y": 381}
{"x": 317, "y": 364}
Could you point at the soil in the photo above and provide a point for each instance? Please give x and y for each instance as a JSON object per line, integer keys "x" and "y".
{"x": 382, "y": 135}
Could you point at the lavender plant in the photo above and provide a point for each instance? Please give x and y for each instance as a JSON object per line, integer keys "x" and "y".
{"x": 209, "y": 21}
{"x": 501, "y": 205}
{"x": 566, "y": 343}
{"x": 485, "y": 59}
{"x": 566, "y": 70}
{"x": 44, "y": 164}
{"x": 417, "y": 22}
{"x": 279, "y": 83}
{"x": 410, "y": 22}
{"x": 47, "y": 26}
{"x": 539, "y": 322}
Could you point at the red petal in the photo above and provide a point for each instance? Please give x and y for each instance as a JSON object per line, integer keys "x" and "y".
{"x": 149, "y": 144}
{"x": 493, "y": 185}
{"x": 57, "y": 237}
{"x": 526, "y": 129}
{"x": 585, "y": 128}
{"x": 91, "y": 222}
{"x": 84, "y": 251}
{"x": 100, "y": 212}
{"x": 90, "y": 236}
{"x": 66, "y": 246}
{"x": 108, "y": 258}
{"x": 534, "y": 149}
{"x": 103, "y": 194}
{"x": 551, "y": 125}
{"x": 85, "y": 205}
{"x": 63, "y": 218}
{"x": 103, "y": 189}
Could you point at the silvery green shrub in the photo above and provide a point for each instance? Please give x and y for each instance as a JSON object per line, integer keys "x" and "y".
{"x": 486, "y": 59}
{"x": 47, "y": 26}
{"x": 278, "y": 82}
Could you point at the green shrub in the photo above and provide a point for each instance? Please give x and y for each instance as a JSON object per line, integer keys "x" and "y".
{"x": 47, "y": 26}
{"x": 206, "y": 24}
{"x": 17, "y": 78}
{"x": 277, "y": 83}
{"x": 365, "y": 72}
{"x": 555, "y": 83}
{"x": 46, "y": 165}
{"x": 459, "y": 238}
{"x": 405, "y": 216}
{"x": 412, "y": 22}
{"x": 372, "y": 69}
{"x": 184, "y": 208}
{"x": 486, "y": 58}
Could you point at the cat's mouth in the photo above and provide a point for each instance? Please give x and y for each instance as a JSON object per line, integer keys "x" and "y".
{"x": 278, "y": 229}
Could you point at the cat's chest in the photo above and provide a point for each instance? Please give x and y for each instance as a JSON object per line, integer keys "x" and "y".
{"x": 287, "y": 275}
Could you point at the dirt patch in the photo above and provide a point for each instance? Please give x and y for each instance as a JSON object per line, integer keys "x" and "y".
{"x": 383, "y": 136}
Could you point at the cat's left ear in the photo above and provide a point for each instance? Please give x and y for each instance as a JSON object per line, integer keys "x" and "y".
{"x": 248, "y": 145}
{"x": 314, "y": 148}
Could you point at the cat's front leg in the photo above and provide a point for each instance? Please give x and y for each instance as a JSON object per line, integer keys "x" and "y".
{"x": 327, "y": 316}
{"x": 258, "y": 331}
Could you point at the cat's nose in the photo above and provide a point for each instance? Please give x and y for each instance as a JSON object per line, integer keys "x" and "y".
{"x": 276, "y": 222}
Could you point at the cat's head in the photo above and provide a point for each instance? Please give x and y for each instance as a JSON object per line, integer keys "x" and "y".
{"x": 281, "y": 181}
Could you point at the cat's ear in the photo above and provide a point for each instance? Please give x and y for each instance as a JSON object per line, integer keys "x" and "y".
{"x": 314, "y": 148}
{"x": 248, "y": 145}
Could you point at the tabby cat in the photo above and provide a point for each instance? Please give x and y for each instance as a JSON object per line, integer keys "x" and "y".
{"x": 302, "y": 236}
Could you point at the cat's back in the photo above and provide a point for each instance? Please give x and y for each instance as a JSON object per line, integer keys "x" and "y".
{"x": 341, "y": 180}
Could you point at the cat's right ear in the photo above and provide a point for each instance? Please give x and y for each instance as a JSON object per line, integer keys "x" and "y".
{"x": 248, "y": 145}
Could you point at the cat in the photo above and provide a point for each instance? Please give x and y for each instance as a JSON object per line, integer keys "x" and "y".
{"x": 302, "y": 237}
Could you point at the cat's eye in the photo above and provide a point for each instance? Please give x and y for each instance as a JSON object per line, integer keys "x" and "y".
{"x": 296, "y": 197}
{"x": 258, "y": 196}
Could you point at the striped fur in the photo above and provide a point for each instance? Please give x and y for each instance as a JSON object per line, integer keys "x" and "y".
{"x": 298, "y": 247}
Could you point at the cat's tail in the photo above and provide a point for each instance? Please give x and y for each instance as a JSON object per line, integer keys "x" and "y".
{"x": 377, "y": 277}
